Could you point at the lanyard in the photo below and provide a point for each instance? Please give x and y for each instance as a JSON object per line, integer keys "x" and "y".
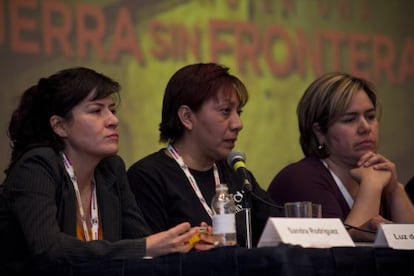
{"x": 191, "y": 178}
{"x": 94, "y": 203}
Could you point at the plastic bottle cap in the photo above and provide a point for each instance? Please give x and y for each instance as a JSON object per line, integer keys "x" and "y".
{"x": 222, "y": 187}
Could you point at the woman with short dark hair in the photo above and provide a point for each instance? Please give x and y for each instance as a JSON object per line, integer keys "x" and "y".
{"x": 201, "y": 121}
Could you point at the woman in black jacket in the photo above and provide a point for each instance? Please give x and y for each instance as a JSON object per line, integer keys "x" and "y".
{"x": 66, "y": 199}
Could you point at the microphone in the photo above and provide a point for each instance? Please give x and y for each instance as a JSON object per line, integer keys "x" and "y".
{"x": 236, "y": 160}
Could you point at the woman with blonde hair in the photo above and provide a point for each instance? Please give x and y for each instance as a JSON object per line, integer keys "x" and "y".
{"x": 342, "y": 168}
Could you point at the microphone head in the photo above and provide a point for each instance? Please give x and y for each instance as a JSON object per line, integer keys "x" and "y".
{"x": 236, "y": 160}
{"x": 234, "y": 157}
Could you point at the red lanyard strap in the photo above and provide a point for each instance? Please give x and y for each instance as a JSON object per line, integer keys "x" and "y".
{"x": 191, "y": 178}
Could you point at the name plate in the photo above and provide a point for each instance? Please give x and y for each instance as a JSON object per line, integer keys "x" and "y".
{"x": 307, "y": 232}
{"x": 396, "y": 236}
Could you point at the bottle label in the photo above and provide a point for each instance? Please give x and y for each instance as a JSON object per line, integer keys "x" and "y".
{"x": 225, "y": 223}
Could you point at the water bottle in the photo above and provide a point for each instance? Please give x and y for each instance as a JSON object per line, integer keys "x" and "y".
{"x": 224, "y": 219}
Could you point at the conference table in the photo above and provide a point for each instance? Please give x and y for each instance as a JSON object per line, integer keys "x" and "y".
{"x": 283, "y": 259}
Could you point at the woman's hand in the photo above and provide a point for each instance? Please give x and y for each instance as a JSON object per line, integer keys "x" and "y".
{"x": 370, "y": 177}
{"x": 398, "y": 203}
{"x": 173, "y": 240}
{"x": 380, "y": 163}
{"x": 206, "y": 240}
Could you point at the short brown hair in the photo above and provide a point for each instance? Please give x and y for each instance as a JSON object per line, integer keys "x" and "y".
{"x": 192, "y": 85}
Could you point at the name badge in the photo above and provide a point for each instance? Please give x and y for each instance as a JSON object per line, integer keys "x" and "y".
{"x": 307, "y": 232}
{"x": 397, "y": 236}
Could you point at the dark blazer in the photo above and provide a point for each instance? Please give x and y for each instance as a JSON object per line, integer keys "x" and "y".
{"x": 38, "y": 214}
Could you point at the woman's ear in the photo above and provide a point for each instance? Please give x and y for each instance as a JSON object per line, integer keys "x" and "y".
{"x": 58, "y": 125}
{"x": 185, "y": 114}
{"x": 318, "y": 133}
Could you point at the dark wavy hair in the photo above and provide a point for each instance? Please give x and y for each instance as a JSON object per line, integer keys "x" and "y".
{"x": 57, "y": 94}
{"x": 192, "y": 85}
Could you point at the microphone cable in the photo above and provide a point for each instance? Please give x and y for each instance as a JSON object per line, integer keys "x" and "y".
{"x": 265, "y": 201}
{"x": 349, "y": 227}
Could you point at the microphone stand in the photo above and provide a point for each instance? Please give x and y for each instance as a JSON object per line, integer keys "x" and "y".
{"x": 247, "y": 212}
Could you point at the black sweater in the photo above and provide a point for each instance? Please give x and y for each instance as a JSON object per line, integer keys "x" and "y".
{"x": 166, "y": 197}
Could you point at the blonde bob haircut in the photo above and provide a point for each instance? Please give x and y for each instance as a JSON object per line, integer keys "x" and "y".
{"x": 323, "y": 102}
